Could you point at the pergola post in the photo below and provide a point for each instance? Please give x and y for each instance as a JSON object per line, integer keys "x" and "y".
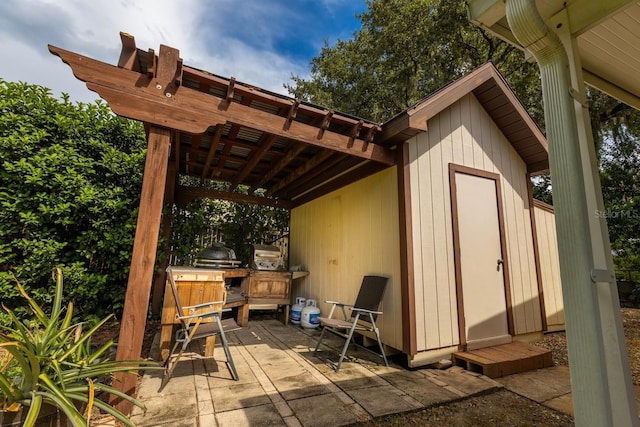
{"x": 600, "y": 377}
{"x": 157, "y": 291}
{"x": 143, "y": 260}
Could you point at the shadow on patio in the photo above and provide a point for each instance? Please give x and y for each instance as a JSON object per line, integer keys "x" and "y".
{"x": 283, "y": 383}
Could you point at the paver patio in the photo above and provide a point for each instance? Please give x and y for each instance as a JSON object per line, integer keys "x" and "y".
{"x": 283, "y": 383}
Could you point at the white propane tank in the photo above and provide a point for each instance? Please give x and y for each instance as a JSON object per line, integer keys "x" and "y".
{"x": 310, "y": 315}
{"x": 296, "y": 310}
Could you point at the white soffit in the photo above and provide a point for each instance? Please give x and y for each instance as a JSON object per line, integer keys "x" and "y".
{"x": 607, "y": 34}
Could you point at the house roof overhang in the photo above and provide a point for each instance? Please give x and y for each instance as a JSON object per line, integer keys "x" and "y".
{"x": 234, "y": 133}
{"x": 607, "y": 34}
{"x": 496, "y": 97}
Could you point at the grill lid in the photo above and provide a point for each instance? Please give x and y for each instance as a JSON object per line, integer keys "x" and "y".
{"x": 216, "y": 256}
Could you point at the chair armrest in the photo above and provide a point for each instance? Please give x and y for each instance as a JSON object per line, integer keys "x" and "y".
{"x": 204, "y": 304}
{"x": 362, "y": 310}
{"x": 204, "y": 314}
{"x": 338, "y": 303}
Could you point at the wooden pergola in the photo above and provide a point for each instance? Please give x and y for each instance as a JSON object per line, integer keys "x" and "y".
{"x": 217, "y": 129}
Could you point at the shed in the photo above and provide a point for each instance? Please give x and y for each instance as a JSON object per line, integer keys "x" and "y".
{"x": 454, "y": 224}
{"x": 397, "y": 199}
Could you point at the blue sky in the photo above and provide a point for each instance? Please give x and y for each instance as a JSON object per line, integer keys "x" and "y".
{"x": 262, "y": 42}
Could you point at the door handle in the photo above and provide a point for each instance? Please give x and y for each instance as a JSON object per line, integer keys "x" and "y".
{"x": 500, "y": 262}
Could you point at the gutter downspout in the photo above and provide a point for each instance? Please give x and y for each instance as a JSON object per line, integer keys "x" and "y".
{"x": 601, "y": 384}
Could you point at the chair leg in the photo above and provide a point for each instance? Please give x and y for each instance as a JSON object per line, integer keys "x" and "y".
{"x": 170, "y": 365}
{"x": 380, "y": 346}
{"x": 384, "y": 356}
{"x": 227, "y": 352}
{"x": 324, "y": 328}
{"x": 347, "y": 342}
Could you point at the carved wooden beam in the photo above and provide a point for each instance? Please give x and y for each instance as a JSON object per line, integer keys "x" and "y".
{"x": 136, "y": 96}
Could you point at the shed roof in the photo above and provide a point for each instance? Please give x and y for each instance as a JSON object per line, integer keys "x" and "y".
{"x": 494, "y": 94}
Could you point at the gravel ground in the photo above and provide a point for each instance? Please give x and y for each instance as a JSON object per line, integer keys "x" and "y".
{"x": 504, "y": 408}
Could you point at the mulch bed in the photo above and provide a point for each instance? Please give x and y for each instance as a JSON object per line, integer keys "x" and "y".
{"x": 557, "y": 342}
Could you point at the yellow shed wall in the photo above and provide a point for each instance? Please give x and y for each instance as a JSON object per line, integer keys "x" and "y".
{"x": 345, "y": 235}
{"x": 549, "y": 268}
{"x": 464, "y": 134}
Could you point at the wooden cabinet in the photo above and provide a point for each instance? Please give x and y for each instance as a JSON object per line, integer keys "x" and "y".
{"x": 267, "y": 287}
{"x": 197, "y": 286}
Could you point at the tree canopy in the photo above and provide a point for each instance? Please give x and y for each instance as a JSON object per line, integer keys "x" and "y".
{"x": 407, "y": 49}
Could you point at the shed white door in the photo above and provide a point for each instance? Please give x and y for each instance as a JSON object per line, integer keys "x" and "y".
{"x": 481, "y": 264}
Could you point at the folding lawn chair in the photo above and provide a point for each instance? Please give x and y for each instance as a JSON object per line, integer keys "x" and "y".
{"x": 197, "y": 322}
{"x": 363, "y": 318}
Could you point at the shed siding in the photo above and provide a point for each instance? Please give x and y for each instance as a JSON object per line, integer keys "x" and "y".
{"x": 549, "y": 267}
{"x": 466, "y": 135}
{"x": 345, "y": 235}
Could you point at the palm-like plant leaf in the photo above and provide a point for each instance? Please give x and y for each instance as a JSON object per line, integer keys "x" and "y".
{"x": 57, "y": 363}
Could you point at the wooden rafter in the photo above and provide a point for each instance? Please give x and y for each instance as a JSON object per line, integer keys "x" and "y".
{"x": 151, "y": 66}
{"x": 230, "y": 89}
{"x": 292, "y": 114}
{"x": 324, "y": 170}
{"x": 367, "y": 169}
{"x": 324, "y": 125}
{"x": 355, "y": 131}
{"x": 301, "y": 171}
{"x": 292, "y": 153}
{"x": 212, "y": 151}
{"x": 129, "y": 54}
{"x": 368, "y": 139}
{"x": 253, "y": 161}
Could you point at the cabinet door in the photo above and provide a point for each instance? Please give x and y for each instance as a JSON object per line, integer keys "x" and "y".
{"x": 270, "y": 285}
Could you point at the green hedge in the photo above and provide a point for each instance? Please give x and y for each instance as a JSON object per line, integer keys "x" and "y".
{"x": 70, "y": 181}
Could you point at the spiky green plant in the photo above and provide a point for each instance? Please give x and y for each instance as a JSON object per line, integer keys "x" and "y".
{"x": 58, "y": 365}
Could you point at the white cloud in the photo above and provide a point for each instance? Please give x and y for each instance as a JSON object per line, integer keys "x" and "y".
{"x": 257, "y": 41}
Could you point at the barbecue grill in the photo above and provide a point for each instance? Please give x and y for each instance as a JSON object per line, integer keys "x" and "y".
{"x": 216, "y": 256}
{"x": 267, "y": 257}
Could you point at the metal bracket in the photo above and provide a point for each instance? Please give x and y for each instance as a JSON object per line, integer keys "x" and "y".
{"x": 602, "y": 276}
{"x": 578, "y": 96}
